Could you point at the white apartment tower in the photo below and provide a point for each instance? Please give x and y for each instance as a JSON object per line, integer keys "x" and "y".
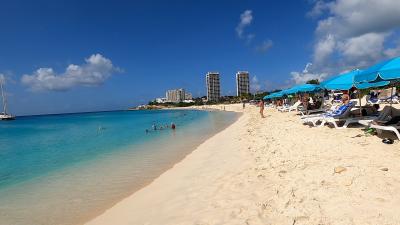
{"x": 242, "y": 83}
{"x": 213, "y": 86}
{"x": 176, "y": 95}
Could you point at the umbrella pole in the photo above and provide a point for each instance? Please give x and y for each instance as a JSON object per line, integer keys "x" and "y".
{"x": 359, "y": 99}
{"x": 391, "y": 100}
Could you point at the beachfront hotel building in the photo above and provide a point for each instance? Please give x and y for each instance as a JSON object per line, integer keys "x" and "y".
{"x": 176, "y": 95}
{"x": 188, "y": 96}
{"x": 242, "y": 83}
{"x": 213, "y": 86}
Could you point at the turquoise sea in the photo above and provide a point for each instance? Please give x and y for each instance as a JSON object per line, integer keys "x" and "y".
{"x": 66, "y": 169}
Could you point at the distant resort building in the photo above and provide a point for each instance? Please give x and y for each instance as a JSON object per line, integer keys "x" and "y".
{"x": 161, "y": 100}
{"x": 176, "y": 95}
{"x": 188, "y": 96}
{"x": 213, "y": 86}
{"x": 242, "y": 83}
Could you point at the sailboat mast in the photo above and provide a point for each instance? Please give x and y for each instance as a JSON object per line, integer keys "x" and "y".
{"x": 4, "y": 98}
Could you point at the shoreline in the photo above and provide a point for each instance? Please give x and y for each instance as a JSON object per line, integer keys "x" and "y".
{"x": 240, "y": 114}
{"x": 272, "y": 171}
{"x": 95, "y": 220}
{"x": 90, "y": 187}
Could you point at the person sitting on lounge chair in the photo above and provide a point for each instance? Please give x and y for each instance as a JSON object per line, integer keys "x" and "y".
{"x": 345, "y": 99}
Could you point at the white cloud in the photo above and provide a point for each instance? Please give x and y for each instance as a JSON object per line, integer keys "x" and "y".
{"x": 354, "y": 33}
{"x": 95, "y": 71}
{"x": 318, "y": 9}
{"x": 246, "y": 19}
{"x": 255, "y": 84}
{"x": 306, "y": 75}
{"x": 361, "y": 50}
{"x": 2, "y": 78}
{"x": 324, "y": 48}
{"x": 265, "y": 46}
{"x": 349, "y": 18}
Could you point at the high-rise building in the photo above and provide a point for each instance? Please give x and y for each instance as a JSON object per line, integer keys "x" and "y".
{"x": 213, "y": 86}
{"x": 176, "y": 95}
{"x": 242, "y": 83}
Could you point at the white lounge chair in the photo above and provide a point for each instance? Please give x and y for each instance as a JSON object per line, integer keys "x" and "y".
{"x": 390, "y": 99}
{"x": 341, "y": 116}
{"x": 335, "y": 116}
{"x": 360, "y": 120}
{"x": 290, "y": 108}
{"x": 382, "y": 116}
{"x": 393, "y": 128}
{"x": 305, "y": 112}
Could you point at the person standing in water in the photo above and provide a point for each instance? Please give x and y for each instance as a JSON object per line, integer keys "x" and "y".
{"x": 261, "y": 105}
{"x": 172, "y": 126}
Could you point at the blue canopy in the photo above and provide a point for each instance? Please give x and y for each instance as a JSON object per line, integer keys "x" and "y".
{"x": 343, "y": 81}
{"x": 294, "y": 90}
{"x": 346, "y": 81}
{"x": 302, "y": 88}
{"x": 273, "y": 95}
{"x": 386, "y": 70}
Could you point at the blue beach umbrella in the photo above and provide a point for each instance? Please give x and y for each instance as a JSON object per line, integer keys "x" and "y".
{"x": 296, "y": 89}
{"x": 386, "y": 70}
{"x": 309, "y": 88}
{"x": 346, "y": 81}
{"x": 278, "y": 94}
{"x": 303, "y": 88}
{"x": 273, "y": 95}
{"x": 270, "y": 96}
{"x": 343, "y": 81}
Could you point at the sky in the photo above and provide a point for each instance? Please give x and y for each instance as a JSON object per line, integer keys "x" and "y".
{"x": 76, "y": 56}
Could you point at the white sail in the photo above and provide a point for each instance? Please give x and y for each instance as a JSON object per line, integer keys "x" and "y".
{"x": 4, "y": 115}
{"x": 3, "y": 97}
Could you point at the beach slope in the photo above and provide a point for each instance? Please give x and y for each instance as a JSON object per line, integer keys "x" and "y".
{"x": 272, "y": 171}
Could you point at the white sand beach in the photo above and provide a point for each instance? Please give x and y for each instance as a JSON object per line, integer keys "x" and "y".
{"x": 272, "y": 171}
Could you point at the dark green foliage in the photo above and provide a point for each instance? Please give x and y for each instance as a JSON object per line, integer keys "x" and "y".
{"x": 313, "y": 81}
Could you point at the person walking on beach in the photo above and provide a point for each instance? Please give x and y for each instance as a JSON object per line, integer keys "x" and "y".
{"x": 261, "y": 105}
{"x": 244, "y": 105}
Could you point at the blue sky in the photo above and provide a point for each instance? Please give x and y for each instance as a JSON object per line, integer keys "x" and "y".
{"x": 71, "y": 56}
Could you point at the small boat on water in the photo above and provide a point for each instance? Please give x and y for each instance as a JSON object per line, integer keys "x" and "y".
{"x": 4, "y": 115}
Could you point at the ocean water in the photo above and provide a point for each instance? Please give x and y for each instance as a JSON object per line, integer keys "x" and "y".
{"x": 66, "y": 169}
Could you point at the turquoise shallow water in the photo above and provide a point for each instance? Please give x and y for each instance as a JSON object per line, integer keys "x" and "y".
{"x": 64, "y": 169}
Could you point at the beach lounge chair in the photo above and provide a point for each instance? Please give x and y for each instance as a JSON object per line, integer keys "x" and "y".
{"x": 330, "y": 110}
{"x": 382, "y": 116}
{"x": 340, "y": 115}
{"x": 305, "y": 112}
{"x": 360, "y": 120}
{"x": 390, "y": 99}
{"x": 290, "y": 108}
{"x": 393, "y": 128}
{"x": 333, "y": 117}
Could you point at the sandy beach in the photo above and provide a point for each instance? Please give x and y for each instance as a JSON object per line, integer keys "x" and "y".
{"x": 272, "y": 171}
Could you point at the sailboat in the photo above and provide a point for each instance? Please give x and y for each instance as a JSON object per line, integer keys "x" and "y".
{"x": 4, "y": 115}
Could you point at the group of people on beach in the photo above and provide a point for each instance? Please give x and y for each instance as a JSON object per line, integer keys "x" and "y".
{"x": 156, "y": 127}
